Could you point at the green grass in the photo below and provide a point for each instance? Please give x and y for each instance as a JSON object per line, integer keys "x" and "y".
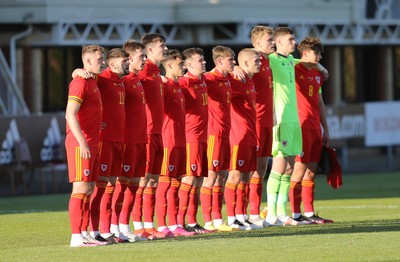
{"x": 366, "y": 211}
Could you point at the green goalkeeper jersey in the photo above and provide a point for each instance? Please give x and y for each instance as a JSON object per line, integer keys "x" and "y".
{"x": 284, "y": 83}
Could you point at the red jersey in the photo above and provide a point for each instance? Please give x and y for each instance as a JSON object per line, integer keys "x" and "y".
{"x": 219, "y": 103}
{"x": 153, "y": 91}
{"x": 264, "y": 91}
{"x": 173, "y": 131}
{"x": 112, "y": 92}
{"x": 135, "y": 111}
{"x": 308, "y": 86}
{"x": 86, "y": 93}
{"x": 196, "y": 106}
{"x": 243, "y": 113}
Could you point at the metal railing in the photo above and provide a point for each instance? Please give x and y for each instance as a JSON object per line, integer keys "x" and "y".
{"x": 11, "y": 100}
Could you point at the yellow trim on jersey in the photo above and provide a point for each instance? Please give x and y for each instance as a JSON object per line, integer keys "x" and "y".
{"x": 210, "y": 150}
{"x": 76, "y": 99}
{"x": 188, "y": 167}
{"x": 78, "y": 164}
{"x": 234, "y": 156}
{"x": 164, "y": 165}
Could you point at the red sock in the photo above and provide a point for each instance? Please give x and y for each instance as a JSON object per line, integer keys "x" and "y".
{"x": 295, "y": 192}
{"x": 173, "y": 202}
{"x": 206, "y": 200}
{"x": 217, "y": 202}
{"x": 118, "y": 200}
{"x": 95, "y": 201}
{"x": 193, "y": 205}
{"x": 241, "y": 199}
{"x": 183, "y": 195}
{"x": 164, "y": 183}
{"x": 75, "y": 212}
{"x": 127, "y": 206}
{"x": 86, "y": 214}
{"x": 307, "y": 195}
{"x": 230, "y": 198}
{"x": 149, "y": 200}
{"x": 105, "y": 209}
{"x": 138, "y": 205}
{"x": 255, "y": 195}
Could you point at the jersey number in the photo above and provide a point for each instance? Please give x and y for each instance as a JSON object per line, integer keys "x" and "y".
{"x": 121, "y": 98}
{"x": 310, "y": 90}
{"x": 205, "y": 99}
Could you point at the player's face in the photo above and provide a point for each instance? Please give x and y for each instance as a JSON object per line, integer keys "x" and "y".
{"x": 266, "y": 44}
{"x": 158, "y": 51}
{"x": 196, "y": 64}
{"x": 288, "y": 43}
{"x": 178, "y": 67}
{"x": 137, "y": 59}
{"x": 120, "y": 65}
{"x": 254, "y": 64}
{"x": 316, "y": 56}
{"x": 311, "y": 56}
{"x": 97, "y": 62}
{"x": 227, "y": 63}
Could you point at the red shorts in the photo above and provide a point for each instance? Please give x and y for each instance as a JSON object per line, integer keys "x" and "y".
{"x": 244, "y": 158}
{"x": 196, "y": 159}
{"x": 154, "y": 154}
{"x": 312, "y": 146}
{"x": 134, "y": 163}
{"x": 174, "y": 164}
{"x": 218, "y": 153}
{"x": 264, "y": 136}
{"x": 79, "y": 169}
{"x": 110, "y": 160}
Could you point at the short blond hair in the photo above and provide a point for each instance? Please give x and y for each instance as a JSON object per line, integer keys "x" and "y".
{"x": 91, "y": 49}
{"x": 280, "y": 31}
{"x": 222, "y": 51}
{"x": 246, "y": 52}
{"x": 259, "y": 31}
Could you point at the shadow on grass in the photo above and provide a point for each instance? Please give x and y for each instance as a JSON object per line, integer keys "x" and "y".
{"x": 335, "y": 228}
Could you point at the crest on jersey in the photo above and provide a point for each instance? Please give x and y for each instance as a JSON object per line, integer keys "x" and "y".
{"x": 104, "y": 167}
{"x": 318, "y": 79}
{"x": 171, "y": 167}
{"x": 240, "y": 162}
{"x": 126, "y": 168}
{"x": 215, "y": 163}
{"x": 86, "y": 172}
{"x": 193, "y": 167}
{"x": 284, "y": 143}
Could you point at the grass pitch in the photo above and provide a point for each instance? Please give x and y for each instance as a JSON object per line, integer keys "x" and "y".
{"x": 366, "y": 211}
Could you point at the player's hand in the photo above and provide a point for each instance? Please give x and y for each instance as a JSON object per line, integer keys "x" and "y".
{"x": 325, "y": 139}
{"x": 82, "y": 73}
{"x": 325, "y": 73}
{"x": 164, "y": 79}
{"x": 239, "y": 73}
{"x": 85, "y": 151}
